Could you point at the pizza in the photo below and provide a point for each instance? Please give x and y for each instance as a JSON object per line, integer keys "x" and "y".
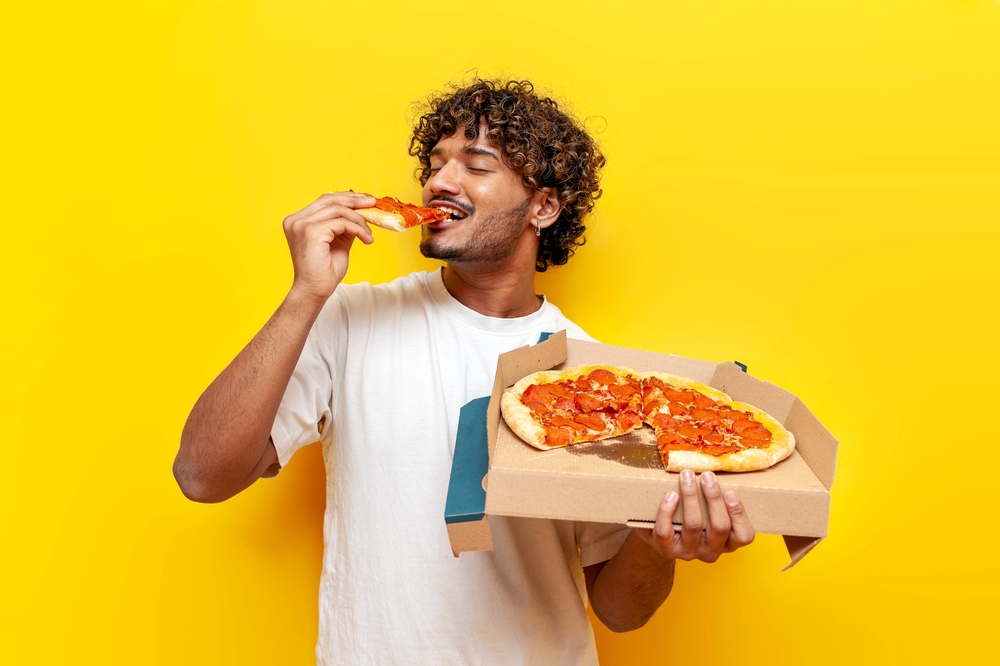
{"x": 391, "y": 213}
{"x": 696, "y": 426}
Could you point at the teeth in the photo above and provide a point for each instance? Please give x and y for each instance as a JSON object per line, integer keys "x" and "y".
{"x": 454, "y": 213}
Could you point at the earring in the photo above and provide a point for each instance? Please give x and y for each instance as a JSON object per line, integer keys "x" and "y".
{"x": 538, "y": 228}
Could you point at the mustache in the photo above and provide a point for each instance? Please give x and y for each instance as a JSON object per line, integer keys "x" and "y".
{"x": 468, "y": 210}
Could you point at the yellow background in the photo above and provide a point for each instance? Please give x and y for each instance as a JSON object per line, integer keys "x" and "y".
{"x": 812, "y": 188}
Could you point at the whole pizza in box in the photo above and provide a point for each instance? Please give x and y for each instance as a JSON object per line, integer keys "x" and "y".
{"x": 696, "y": 426}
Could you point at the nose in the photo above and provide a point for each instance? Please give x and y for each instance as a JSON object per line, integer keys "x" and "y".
{"x": 444, "y": 180}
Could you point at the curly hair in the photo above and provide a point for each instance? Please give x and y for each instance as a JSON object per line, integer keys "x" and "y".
{"x": 543, "y": 144}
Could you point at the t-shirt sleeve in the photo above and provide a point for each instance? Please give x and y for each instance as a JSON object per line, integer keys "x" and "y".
{"x": 599, "y": 542}
{"x": 305, "y": 414}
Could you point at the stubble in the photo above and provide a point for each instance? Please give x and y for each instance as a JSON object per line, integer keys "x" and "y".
{"x": 494, "y": 240}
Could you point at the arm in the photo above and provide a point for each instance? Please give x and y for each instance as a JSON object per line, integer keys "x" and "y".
{"x": 226, "y": 443}
{"x": 626, "y": 590}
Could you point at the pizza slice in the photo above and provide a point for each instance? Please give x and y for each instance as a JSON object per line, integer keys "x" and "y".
{"x": 391, "y": 213}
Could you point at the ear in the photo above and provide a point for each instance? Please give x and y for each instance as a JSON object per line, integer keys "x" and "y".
{"x": 547, "y": 207}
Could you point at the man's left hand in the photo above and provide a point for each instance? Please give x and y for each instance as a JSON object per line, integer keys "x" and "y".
{"x": 705, "y": 538}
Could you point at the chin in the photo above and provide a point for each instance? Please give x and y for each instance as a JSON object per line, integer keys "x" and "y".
{"x": 431, "y": 248}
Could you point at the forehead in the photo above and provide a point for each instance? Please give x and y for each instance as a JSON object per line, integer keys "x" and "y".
{"x": 458, "y": 143}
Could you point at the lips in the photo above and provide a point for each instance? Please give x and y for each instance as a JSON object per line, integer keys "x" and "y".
{"x": 456, "y": 211}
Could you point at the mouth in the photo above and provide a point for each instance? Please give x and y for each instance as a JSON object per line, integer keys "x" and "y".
{"x": 455, "y": 211}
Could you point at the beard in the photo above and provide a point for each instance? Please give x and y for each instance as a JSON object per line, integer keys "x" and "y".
{"x": 493, "y": 240}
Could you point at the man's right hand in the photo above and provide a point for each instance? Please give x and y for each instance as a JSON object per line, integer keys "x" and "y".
{"x": 320, "y": 238}
{"x": 226, "y": 443}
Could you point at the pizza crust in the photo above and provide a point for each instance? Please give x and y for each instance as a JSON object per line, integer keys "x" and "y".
{"x": 383, "y": 218}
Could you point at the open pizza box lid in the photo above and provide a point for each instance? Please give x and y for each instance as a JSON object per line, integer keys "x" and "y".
{"x": 622, "y": 480}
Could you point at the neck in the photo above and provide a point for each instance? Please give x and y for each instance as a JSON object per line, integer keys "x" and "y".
{"x": 493, "y": 290}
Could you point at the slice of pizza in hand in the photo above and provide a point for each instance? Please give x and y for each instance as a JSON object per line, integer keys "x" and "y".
{"x": 391, "y": 213}
{"x": 585, "y": 403}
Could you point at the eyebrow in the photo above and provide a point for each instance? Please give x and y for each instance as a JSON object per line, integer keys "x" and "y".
{"x": 468, "y": 150}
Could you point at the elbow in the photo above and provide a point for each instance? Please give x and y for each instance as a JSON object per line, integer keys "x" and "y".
{"x": 193, "y": 485}
{"x": 621, "y": 624}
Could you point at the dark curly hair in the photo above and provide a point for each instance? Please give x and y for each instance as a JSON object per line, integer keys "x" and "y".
{"x": 547, "y": 147}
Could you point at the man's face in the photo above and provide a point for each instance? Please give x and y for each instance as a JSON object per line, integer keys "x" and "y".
{"x": 488, "y": 201}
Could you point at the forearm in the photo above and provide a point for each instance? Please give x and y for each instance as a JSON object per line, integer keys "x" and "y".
{"x": 224, "y": 441}
{"x": 631, "y": 585}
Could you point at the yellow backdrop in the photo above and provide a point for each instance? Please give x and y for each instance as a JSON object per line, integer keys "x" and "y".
{"x": 812, "y": 188}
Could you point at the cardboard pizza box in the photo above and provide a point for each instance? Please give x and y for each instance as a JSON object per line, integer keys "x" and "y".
{"x": 622, "y": 480}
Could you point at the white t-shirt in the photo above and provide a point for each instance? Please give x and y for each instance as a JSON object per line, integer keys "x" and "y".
{"x": 380, "y": 382}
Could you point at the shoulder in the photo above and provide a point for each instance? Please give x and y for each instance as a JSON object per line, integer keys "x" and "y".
{"x": 561, "y": 322}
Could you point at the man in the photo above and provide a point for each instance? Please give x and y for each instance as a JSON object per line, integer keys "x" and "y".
{"x": 379, "y": 374}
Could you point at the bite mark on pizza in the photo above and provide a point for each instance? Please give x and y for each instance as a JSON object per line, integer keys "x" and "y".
{"x": 696, "y": 426}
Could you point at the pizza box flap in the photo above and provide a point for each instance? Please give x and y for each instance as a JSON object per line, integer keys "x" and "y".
{"x": 623, "y": 481}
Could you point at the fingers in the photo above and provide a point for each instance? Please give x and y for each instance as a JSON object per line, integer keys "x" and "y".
{"x": 692, "y": 524}
{"x": 742, "y": 532}
{"x": 663, "y": 537}
{"x": 350, "y": 200}
{"x": 717, "y": 530}
{"x": 335, "y": 219}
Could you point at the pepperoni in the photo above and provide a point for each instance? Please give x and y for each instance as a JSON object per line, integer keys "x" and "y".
{"x": 623, "y": 391}
{"x": 689, "y": 431}
{"x": 675, "y": 443}
{"x": 685, "y": 397}
{"x": 743, "y": 425}
{"x": 668, "y": 439}
{"x": 556, "y": 436}
{"x": 582, "y": 383}
{"x": 587, "y": 403}
{"x": 677, "y": 409}
{"x": 591, "y": 421}
{"x": 714, "y": 437}
{"x": 763, "y": 436}
{"x": 564, "y": 405}
{"x": 565, "y": 422}
{"x": 535, "y": 393}
{"x": 388, "y": 204}
{"x": 665, "y": 422}
{"x": 717, "y": 449}
{"x": 699, "y": 414}
{"x": 546, "y": 393}
{"x": 535, "y": 405}
{"x": 704, "y": 401}
{"x": 628, "y": 420}
{"x": 652, "y": 407}
{"x": 410, "y": 217}
{"x": 603, "y": 377}
{"x": 561, "y": 391}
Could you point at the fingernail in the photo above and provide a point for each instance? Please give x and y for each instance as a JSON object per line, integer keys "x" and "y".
{"x": 732, "y": 499}
{"x": 708, "y": 479}
{"x": 670, "y": 498}
{"x": 687, "y": 477}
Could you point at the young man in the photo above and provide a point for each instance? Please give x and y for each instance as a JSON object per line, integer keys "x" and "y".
{"x": 379, "y": 374}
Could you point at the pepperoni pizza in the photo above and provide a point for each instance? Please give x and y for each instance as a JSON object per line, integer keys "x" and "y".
{"x": 696, "y": 426}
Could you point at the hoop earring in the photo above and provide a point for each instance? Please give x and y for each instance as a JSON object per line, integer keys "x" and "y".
{"x": 538, "y": 228}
